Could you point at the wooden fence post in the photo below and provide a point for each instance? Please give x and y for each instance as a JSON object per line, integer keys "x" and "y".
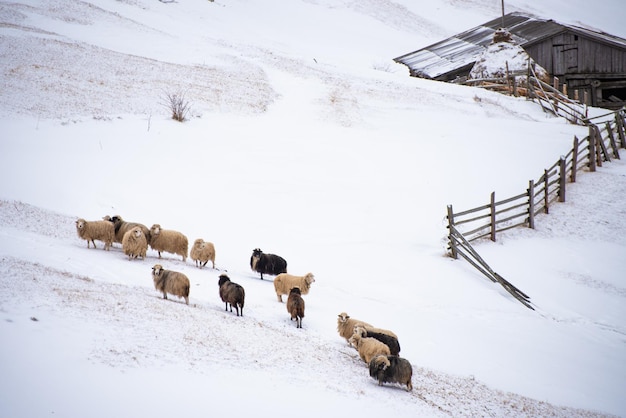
{"x": 621, "y": 129}
{"x": 602, "y": 151}
{"x": 574, "y": 160}
{"x": 546, "y": 195}
{"x": 493, "y": 216}
{"x": 592, "y": 149}
{"x": 562, "y": 175}
{"x": 531, "y": 204}
{"x": 450, "y": 229}
{"x": 609, "y": 131}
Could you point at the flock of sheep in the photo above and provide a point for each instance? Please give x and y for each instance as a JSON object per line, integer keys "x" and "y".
{"x": 378, "y": 348}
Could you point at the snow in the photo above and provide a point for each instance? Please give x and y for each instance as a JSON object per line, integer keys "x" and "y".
{"x": 306, "y": 140}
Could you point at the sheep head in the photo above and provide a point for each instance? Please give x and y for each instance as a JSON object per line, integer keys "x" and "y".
{"x": 157, "y": 269}
{"x": 137, "y": 232}
{"x": 381, "y": 362}
{"x": 355, "y": 341}
{"x": 360, "y": 330}
{"x": 309, "y": 278}
{"x": 343, "y": 317}
{"x": 80, "y": 223}
{"x": 155, "y": 229}
{"x": 295, "y": 290}
{"x": 223, "y": 279}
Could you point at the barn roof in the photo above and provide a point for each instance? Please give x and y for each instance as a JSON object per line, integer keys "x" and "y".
{"x": 460, "y": 51}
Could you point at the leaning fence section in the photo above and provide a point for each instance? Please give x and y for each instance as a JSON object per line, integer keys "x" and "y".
{"x": 500, "y": 214}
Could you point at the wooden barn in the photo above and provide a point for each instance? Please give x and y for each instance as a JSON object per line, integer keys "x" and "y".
{"x": 592, "y": 64}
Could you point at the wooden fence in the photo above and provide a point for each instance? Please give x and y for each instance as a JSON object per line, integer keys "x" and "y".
{"x": 601, "y": 145}
{"x": 549, "y": 97}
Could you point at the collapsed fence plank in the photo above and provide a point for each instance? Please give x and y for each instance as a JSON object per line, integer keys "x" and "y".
{"x": 609, "y": 132}
{"x": 602, "y": 148}
{"x": 476, "y": 260}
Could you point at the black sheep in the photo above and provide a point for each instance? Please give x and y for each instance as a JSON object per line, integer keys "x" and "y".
{"x": 231, "y": 294}
{"x": 267, "y": 263}
{"x": 392, "y": 369}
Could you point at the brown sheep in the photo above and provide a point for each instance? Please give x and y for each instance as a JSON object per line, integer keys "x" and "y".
{"x": 295, "y": 306}
{"x": 172, "y": 282}
{"x": 231, "y": 294}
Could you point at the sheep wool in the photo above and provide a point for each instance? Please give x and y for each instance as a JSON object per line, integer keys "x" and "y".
{"x": 231, "y": 294}
{"x": 164, "y": 240}
{"x": 368, "y": 348}
{"x": 345, "y": 325}
{"x": 295, "y": 306}
{"x": 122, "y": 227}
{"x": 96, "y": 230}
{"x": 391, "y": 369}
{"x": 202, "y": 252}
{"x": 135, "y": 243}
{"x": 172, "y": 282}
{"x": 389, "y": 340}
{"x": 284, "y": 282}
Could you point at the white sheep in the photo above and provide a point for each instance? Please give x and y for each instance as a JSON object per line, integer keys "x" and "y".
{"x": 164, "y": 240}
{"x": 201, "y": 252}
{"x": 284, "y": 282}
{"x": 96, "y": 230}
{"x": 345, "y": 325}
{"x": 135, "y": 243}
{"x": 368, "y": 348}
{"x": 172, "y": 282}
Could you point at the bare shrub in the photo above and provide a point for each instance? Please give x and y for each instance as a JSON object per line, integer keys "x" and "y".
{"x": 178, "y": 105}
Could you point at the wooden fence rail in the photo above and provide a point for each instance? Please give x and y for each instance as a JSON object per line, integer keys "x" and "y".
{"x": 500, "y": 215}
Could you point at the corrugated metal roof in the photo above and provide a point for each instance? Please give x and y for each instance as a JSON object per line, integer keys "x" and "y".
{"x": 465, "y": 48}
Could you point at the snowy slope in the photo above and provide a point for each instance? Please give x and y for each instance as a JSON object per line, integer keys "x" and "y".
{"x": 306, "y": 140}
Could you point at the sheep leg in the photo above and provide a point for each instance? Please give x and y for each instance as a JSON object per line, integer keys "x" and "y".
{"x": 187, "y": 300}
{"x": 159, "y": 254}
{"x": 204, "y": 264}
{"x": 279, "y": 297}
{"x": 164, "y": 295}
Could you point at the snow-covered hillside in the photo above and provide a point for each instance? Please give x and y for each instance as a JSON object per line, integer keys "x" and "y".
{"x": 306, "y": 140}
